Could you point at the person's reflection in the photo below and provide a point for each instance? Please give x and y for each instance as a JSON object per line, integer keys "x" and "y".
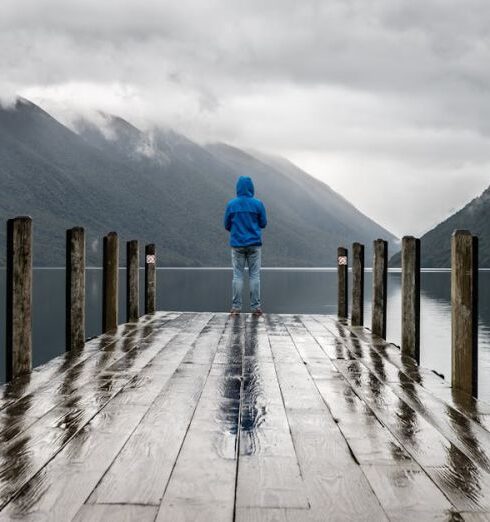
{"x": 231, "y": 382}
{"x": 252, "y": 412}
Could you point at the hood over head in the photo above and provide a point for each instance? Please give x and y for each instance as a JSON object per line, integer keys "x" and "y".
{"x": 245, "y": 186}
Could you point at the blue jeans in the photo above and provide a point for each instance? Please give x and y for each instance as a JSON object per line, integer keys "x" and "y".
{"x": 240, "y": 256}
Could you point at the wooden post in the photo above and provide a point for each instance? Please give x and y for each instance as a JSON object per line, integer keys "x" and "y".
{"x": 132, "y": 280}
{"x": 380, "y": 285}
{"x": 464, "y": 304}
{"x": 110, "y": 282}
{"x": 19, "y": 297}
{"x": 342, "y": 267}
{"x": 150, "y": 279}
{"x": 357, "y": 284}
{"x": 75, "y": 289}
{"x": 411, "y": 297}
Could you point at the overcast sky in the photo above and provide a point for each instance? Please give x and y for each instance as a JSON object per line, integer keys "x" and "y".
{"x": 387, "y": 101}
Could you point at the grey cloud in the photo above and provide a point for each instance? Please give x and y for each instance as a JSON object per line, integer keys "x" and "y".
{"x": 380, "y": 82}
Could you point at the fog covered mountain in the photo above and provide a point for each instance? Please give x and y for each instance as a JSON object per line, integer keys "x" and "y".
{"x": 436, "y": 244}
{"x": 160, "y": 187}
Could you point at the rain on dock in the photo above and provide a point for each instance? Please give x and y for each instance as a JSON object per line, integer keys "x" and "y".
{"x": 202, "y": 416}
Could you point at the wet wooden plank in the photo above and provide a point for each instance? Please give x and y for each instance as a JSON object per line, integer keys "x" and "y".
{"x": 204, "y": 474}
{"x": 334, "y": 481}
{"x": 463, "y": 483}
{"x": 116, "y": 513}
{"x": 278, "y": 418}
{"x": 405, "y": 488}
{"x": 465, "y": 434}
{"x": 152, "y": 449}
{"x": 369, "y": 440}
{"x": 59, "y": 490}
{"x": 268, "y": 473}
{"x": 50, "y": 373}
{"x": 45, "y": 438}
{"x": 73, "y": 366}
{"x": 476, "y": 410}
{"x": 274, "y": 515}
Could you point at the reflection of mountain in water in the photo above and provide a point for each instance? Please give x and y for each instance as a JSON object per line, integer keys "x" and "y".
{"x": 437, "y": 285}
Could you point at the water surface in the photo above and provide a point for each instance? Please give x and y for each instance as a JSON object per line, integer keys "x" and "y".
{"x": 312, "y": 291}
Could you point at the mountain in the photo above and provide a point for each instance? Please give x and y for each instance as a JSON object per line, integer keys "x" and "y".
{"x": 436, "y": 244}
{"x": 158, "y": 186}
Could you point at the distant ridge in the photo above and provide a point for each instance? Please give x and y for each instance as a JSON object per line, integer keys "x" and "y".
{"x": 159, "y": 186}
{"x": 436, "y": 244}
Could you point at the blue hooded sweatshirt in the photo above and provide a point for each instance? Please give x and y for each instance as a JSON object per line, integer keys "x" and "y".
{"x": 245, "y": 216}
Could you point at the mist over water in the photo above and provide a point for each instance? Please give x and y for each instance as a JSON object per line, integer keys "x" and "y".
{"x": 305, "y": 291}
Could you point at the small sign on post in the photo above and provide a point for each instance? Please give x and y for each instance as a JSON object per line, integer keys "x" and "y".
{"x": 342, "y": 281}
{"x": 150, "y": 279}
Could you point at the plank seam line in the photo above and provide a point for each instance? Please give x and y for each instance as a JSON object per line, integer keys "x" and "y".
{"x": 239, "y": 420}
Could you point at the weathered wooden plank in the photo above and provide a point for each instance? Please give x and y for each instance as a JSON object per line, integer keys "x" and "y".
{"x": 275, "y": 515}
{"x": 204, "y": 474}
{"x": 268, "y": 472}
{"x": 442, "y": 460}
{"x": 152, "y": 449}
{"x": 406, "y": 488}
{"x": 116, "y": 513}
{"x": 334, "y": 482}
{"x": 469, "y": 436}
{"x": 67, "y": 480}
{"x": 181, "y": 511}
{"x": 45, "y": 438}
{"x": 267, "y": 482}
{"x": 46, "y": 379}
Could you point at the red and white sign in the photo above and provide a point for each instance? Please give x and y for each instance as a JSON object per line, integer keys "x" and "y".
{"x": 151, "y": 259}
{"x": 342, "y": 260}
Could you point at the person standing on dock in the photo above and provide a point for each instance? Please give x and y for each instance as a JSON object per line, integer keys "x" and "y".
{"x": 245, "y": 217}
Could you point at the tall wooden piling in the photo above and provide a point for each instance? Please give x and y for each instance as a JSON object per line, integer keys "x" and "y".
{"x": 19, "y": 297}
{"x": 75, "y": 289}
{"x": 464, "y": 304}
{"x": 411, "y": 297}
{"x": 357, "y": 318}
{"x": 110, "y": 282}
{"x": 380, "y": 287}
{"x": 342, "y": 273}
{"x": 132, "y": 281}
{"x": 150, "y": 279}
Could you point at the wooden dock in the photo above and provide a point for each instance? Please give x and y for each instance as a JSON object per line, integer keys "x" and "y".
{"x": 204, "y": 417}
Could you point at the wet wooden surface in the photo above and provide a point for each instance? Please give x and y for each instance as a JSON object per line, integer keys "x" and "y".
{"x": 204, "y": 417}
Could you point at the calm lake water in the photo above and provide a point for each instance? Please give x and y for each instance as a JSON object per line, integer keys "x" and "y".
{"x": 311, "y": 291}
